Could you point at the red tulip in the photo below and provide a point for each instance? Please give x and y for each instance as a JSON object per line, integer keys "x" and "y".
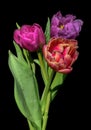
{"x": 60, "y": 54}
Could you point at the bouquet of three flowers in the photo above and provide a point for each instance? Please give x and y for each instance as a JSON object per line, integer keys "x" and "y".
{"x": 56, "y": 49}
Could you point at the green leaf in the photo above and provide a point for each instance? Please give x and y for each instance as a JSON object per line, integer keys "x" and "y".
{"x": 26, "y": 90}
{"x": 47, "y": 36}
{"x": 57, "y": 82}
{"x": 47, "y": 30}
{"x": 19, "y": 52}
{"x": 17, "y": 25}
{"x": 36, "y": 61}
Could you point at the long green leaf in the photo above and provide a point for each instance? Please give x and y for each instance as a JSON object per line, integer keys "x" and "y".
{"x": 57, "y": 82}
{"x": 19, "y": 52}
{"x": 26, "y": 90}
{"x": 47, "y": 36}
{"x": 47, "y": 30}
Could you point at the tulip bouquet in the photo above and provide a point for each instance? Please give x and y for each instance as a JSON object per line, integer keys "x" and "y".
{"x": 53, "y": 51}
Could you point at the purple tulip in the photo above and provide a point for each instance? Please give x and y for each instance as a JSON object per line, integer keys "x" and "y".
{"x": 65, "y": 27}
{"x": 30, "y": 37}
{"x": 60, "y": 54}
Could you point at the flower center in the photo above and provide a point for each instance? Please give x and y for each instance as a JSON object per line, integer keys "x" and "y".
{"x": 61, "y": 26}
{"x": 56, "y": 55}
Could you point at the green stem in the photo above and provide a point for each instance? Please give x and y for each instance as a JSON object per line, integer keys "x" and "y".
{"x": 25, "y": 52}
{"x": 45, "y": 92}
{"x": 43, "y": 71}
{"x": 30, "y": 125}
{"x": 45, "y": 117}
{"x": 29, "y": 59}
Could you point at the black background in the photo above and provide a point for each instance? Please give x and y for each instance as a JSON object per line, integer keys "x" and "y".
{"x": 70, "y": 107}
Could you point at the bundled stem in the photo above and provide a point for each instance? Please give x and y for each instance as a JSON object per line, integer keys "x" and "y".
{"x": 45, "y": 92}
{"x": 45, "y": 116}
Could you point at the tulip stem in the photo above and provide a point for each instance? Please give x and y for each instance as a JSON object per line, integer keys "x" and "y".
{"x": 29, "y": 59}
{"x": 25, "y": 52}
{"x": 30, "y": 126}
{"x": 45, "y": 117}
{"x": 43, "y": 70}
{"x": 46, "y": 91}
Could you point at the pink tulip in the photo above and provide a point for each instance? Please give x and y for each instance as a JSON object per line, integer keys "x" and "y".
{"x": 60, "y": 54}
{"x": 30, "y": 37}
